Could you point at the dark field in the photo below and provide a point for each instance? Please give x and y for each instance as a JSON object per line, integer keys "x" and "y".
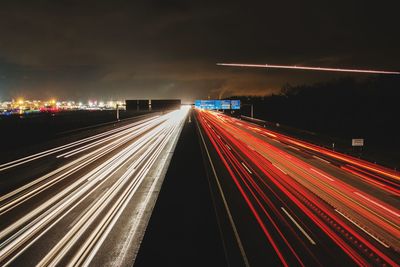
{"x": 24, "y": 134}
{"x": 336, "y": 112}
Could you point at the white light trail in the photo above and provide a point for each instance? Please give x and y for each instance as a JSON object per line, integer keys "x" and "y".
{"x": 307, "y": 68}
{"x": 48, "y": 152}
{"x": 29, "y": 190}
{"x": 137, "y": 147}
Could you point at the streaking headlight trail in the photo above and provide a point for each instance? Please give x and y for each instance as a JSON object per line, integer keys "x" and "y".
{"x": 94, "y": 208}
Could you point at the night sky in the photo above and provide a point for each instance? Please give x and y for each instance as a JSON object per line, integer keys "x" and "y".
{"x": 168, "y": 49}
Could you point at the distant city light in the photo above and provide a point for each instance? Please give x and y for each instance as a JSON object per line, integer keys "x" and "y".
{"x": 307, "y": 68}
{"x": 24, "y": 106}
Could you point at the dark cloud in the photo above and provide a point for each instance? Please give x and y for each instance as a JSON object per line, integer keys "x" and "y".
{"x": 168, "y": 48}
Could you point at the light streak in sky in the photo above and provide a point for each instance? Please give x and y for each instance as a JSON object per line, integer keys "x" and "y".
{"x": 307, "y": 68}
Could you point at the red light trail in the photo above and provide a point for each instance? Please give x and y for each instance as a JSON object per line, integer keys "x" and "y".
{"x": 307, "y": 68}
{"x": 348, "y": 203}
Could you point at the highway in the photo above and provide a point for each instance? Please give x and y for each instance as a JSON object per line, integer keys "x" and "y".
{"x": 86, "y": 202}
{"x": 292, "y": 203}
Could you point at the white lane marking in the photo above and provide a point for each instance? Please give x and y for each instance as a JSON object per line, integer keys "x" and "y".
{"x": 228, "y": 211}
{"x": 280, "y": 169}
{"x": 244, "y": 165}
{"x": 323, "y": 160}
{"x": 218, "y": 136}
{"x": 298, "y": 226}
{"x": 228, "y": 146}
{"x": 276, "y": 140}
{"x": 295, "y": 148}
{"x": 323, "y": 175}
{"x": 252, "y": 148}
{"x": 365, "y": 231}
{"x": 376, "y": 203}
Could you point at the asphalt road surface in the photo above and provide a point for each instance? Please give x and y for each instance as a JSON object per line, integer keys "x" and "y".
{"x": 292, "y": 203}
{"x": 86, "y": 202}
{"x": 183, "y": 229}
